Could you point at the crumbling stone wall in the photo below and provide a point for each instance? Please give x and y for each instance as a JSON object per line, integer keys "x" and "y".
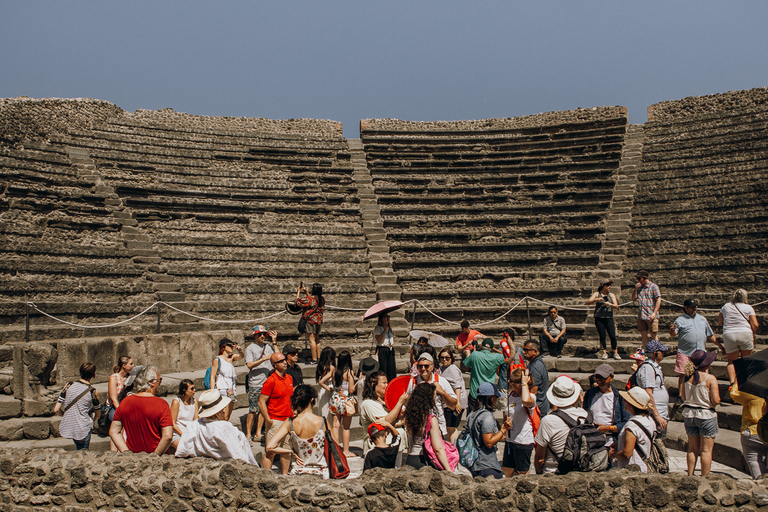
{"x": 25, "y": 118}
{"x": 294, "y": 126}
{"x": 717, "y": 104}
{"x": 81, "y": 481}
{"x": 579, "y": 115}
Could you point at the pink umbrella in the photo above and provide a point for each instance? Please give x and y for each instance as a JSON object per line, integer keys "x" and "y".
{"x": 382, "y": 307}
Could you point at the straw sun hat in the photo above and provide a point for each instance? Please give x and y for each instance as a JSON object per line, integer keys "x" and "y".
{"x": 212, "y": 402}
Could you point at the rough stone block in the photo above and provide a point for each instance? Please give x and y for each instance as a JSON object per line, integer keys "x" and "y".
{"x": 164, "y": 351}
{"x": 55, "y": 421}
{"x": 10, "y": 407}
{"x": 196, "y": 350}
{"x": 35, "y": 408}
{"x": 36, "y": 428}
{"x": 11, "y": 430}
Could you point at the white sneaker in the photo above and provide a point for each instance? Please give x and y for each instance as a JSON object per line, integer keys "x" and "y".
{"x": 616, "y": 355}
{"x": 605, "y": 355}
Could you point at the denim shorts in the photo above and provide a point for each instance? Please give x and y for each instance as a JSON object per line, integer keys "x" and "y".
{"x": 696, "y": 427}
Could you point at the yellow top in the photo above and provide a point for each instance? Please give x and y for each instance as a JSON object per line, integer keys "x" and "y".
{"x": 752, "y": 408}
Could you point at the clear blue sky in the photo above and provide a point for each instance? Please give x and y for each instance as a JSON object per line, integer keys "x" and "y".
{"x": 349, "y": 60}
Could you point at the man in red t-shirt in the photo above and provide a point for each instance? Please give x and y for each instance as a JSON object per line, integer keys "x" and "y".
{"x": 275, "y": 407}
{"x": 465, "y": 339}
{"x": 145, "y": 417}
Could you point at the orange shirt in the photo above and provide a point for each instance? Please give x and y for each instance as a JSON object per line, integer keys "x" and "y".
{"x": 462, "y": 339}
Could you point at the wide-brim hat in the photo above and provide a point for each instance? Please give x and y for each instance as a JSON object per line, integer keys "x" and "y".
{"x": 132, "y": 376}
{"x": 638, "y": 397}
{"x": 292, "y": 308}
{"x": 702, "y": 359}
{"x": 368, "y": 366}
{"x": 563, "y": 392}
{"x": 211, "y": 402}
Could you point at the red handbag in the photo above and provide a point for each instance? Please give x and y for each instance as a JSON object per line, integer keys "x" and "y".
{"x": 334, "y": 457}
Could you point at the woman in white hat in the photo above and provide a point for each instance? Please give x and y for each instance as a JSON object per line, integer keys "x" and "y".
{"x": 635, "y": 438}
{"x": 212, "y": 435}
{"x": 564, "y": 395}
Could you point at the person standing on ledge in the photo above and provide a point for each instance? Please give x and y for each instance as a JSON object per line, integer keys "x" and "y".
{"x": 385, "y": 343}
{"x": 605, "y": 302}
{"x": 313, "y": 304}
{"x": 257, "y": 356}
{"x": 648, "y": 296}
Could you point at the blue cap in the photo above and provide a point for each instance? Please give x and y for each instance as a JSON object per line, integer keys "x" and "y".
{"x": 488, "y": 389}
{"x": 259, "y": 329}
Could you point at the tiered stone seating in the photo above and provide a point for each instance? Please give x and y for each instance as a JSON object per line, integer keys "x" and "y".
{"x": 698, "y": 223}
{"x": 61, "y": 247}
{"x": 238, "y": 217}
{"x": 479, "y": 214}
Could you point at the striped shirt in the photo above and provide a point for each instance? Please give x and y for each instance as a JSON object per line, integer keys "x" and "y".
{"x": 77, "y": 422}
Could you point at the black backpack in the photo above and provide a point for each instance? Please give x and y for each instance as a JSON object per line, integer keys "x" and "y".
{"x": 585, "y": 448}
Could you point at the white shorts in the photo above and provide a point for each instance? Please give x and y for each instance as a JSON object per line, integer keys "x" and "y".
{"x": 735, "y": 341}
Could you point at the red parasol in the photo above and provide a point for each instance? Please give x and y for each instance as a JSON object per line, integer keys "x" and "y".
{"x": 382, "y": 307}
{"x": 395, "y": 390}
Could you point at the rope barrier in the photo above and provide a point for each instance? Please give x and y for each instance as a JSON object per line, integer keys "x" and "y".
{"x": 257, "y": 320}
{"x": 31, "y": 304}
{"x": 337, "y": 308}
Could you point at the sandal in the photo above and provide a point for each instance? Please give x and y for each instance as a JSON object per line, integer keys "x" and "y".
{"x": 350, "y": 455}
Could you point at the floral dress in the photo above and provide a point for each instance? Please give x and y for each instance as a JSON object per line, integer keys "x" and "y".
{"x": 313, "y": 311}
{"x": 312, "y": 451}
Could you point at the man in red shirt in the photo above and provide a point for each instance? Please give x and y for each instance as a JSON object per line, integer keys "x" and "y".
{"x": 465, "y": 339}
{"x": 275, "y": 408}
{"x": 145, "y": 417}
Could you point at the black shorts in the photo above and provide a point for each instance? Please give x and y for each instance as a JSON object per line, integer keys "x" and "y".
{"x": 517, "y": 456}
{"x": 452, "y": 418}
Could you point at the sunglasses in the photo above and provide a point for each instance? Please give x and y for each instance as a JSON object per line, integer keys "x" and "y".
{"x": 280, "y": 361}
{"x": 446, "y": 358}
{"x": 529, "y": 350}
{"x": 423, "y": 366}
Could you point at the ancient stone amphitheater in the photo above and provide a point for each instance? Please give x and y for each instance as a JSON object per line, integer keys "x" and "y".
{"x": 105, "y": 214}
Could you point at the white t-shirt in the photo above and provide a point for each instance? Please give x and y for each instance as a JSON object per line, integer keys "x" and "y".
{"x": 439, "y": 404}
{"x": 372, "y": 411}
{"x": 552, "y": 434}
{"x": 642, "y": 440}
{"x": 733, "y": 320}
{"x": 601, "y": 410}
{"x": 522, "y": 430}
{"x": 389, "y": 337}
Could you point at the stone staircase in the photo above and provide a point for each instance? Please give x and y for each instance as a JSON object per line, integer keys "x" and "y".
{"x": 618, "y": 221}
{"x": 387, "y": 287}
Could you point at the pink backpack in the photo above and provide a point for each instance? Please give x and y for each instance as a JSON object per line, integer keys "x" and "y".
{"x": 451, "y": 452}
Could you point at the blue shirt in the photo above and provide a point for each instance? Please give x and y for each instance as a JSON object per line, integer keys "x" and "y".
{"x": 692, "y": 333}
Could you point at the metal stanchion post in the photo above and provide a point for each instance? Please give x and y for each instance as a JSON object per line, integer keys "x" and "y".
{"x": 528, "y": 310}
{"x": 158, "y": 318}
{"x": 413, "y": 315}
{"x": 27, "y": 321}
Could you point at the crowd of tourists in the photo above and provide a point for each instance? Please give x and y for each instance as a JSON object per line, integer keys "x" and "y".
{"x": 510, "y": 405}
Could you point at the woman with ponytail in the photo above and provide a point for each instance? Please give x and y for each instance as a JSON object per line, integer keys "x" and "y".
{"x": 116, "y": 383}
{"x": 700, "y": 395}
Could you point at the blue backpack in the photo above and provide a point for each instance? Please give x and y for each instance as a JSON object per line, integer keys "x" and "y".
{"x": 468, "y": 452}
{"x": 207, "y": 378}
